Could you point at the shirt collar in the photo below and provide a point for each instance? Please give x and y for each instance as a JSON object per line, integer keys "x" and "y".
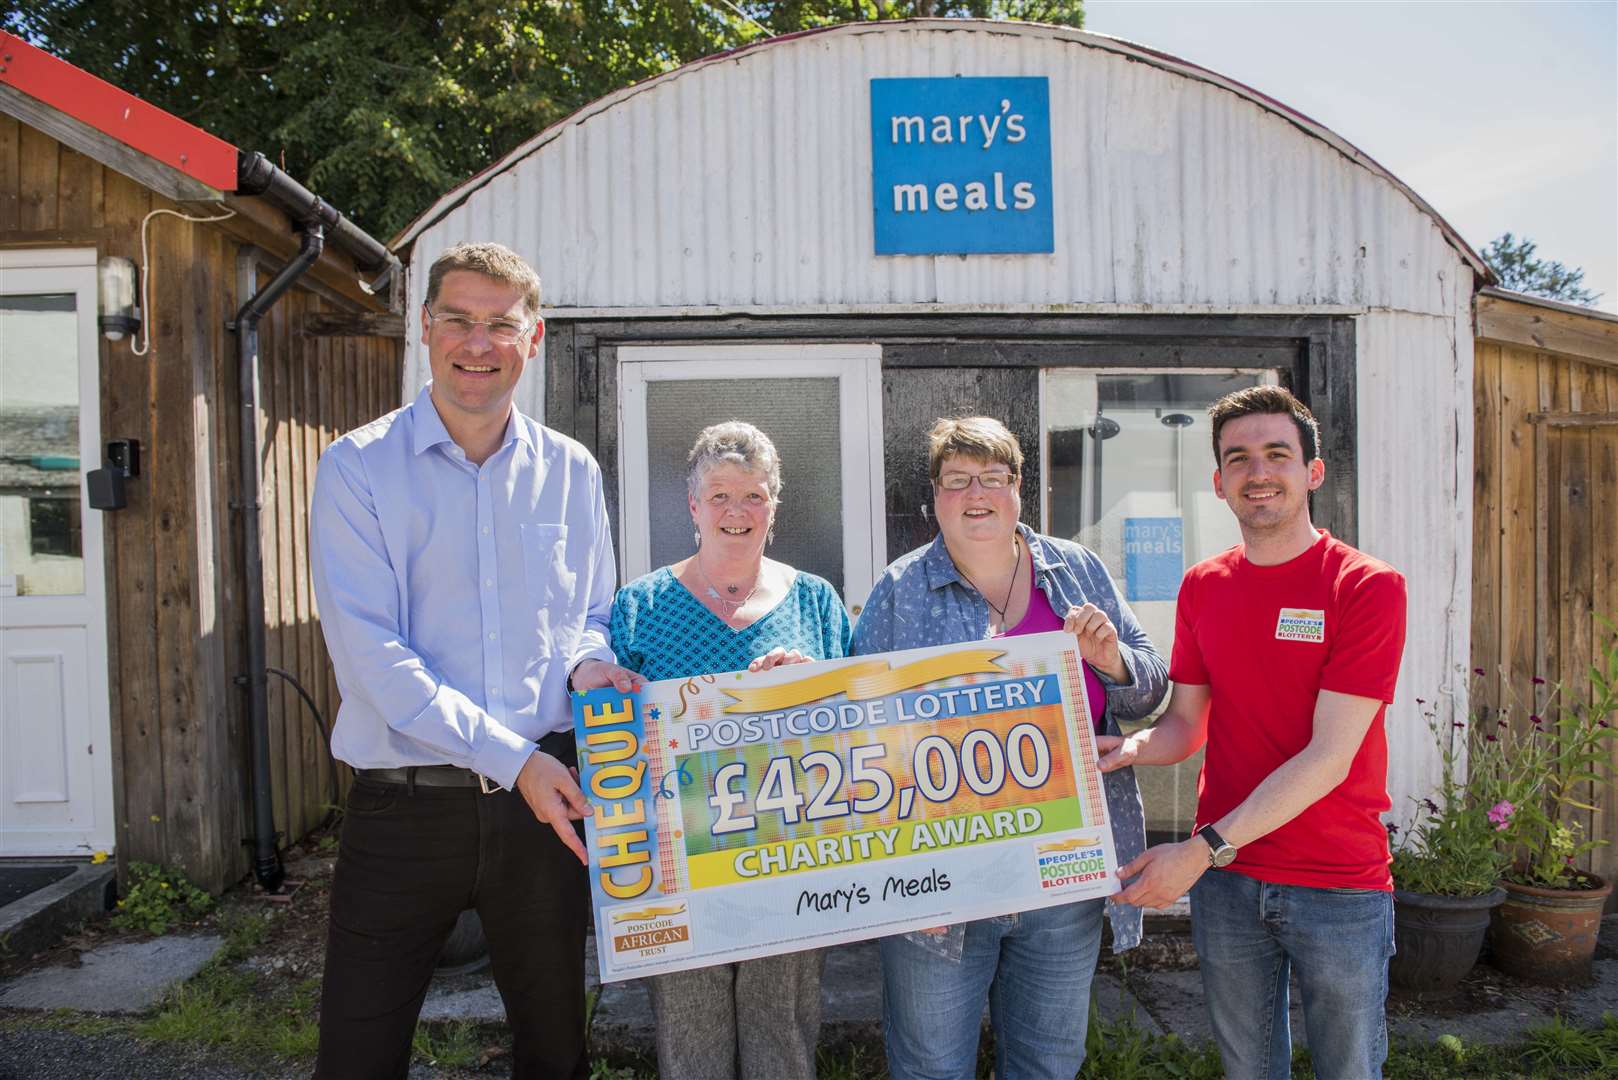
{"x": 941, "y": 569}
{"x": 428, "y": 427}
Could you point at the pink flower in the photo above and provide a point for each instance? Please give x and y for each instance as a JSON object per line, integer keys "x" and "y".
{"x": 1477, "y": 671}
{"x": 1500, "y": 813}
{"x": 1538, "y": 681}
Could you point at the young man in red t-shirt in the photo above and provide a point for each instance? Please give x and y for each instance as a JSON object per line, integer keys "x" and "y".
{"x": 1286, "y": 651}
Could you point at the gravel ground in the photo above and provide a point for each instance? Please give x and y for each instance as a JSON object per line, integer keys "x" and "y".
{"x": 34, "y": 1054}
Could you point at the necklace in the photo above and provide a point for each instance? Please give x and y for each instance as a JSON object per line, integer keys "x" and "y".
{"x": 713, "y": 593}
{"x": 1000, "y": 610}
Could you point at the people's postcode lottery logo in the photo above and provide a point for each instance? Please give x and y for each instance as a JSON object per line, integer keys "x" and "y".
{"x": 1300, "y": 624}
{"x": 1070, "y": 862}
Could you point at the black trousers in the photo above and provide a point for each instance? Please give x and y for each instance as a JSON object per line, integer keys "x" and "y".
{"x": 408, "y": 864}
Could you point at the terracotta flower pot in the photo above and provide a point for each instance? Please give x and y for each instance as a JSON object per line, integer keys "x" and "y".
{"x": 1548, "y": 935}
{"x": 1438, "y": 939}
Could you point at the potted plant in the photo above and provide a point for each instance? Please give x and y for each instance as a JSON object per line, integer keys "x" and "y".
{"x": 1446, "y": 867}
{"x": 1545, "y": 931}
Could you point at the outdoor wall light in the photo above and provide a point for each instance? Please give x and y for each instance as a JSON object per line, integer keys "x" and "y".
{"x": 115, "y": 277}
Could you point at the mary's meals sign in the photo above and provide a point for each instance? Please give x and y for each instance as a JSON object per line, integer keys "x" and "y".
{"x": 961, "y": 166}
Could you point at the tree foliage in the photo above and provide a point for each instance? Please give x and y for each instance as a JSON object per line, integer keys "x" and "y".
{"x": 1514, "y": 262}
{"x": 381, "y": 107}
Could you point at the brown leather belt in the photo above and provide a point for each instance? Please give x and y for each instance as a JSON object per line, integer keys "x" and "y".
{"x": 430, "y": 776}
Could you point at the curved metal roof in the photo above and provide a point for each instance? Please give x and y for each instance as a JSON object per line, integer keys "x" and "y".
{"x": 1141, "y": 53}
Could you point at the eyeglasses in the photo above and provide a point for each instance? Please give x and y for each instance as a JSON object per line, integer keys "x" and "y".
{"x": 501, "y": 331}
{"x": 988, "y": 481}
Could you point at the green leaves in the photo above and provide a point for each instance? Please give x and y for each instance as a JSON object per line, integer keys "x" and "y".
{"x": 382, "y": 107}
{"x": 1513, "y": 260}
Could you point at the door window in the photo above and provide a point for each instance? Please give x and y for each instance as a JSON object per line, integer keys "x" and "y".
{"x": 1129, "y": 474}
{"x": 819, "y": 404}
{"x": 41, "y": 542}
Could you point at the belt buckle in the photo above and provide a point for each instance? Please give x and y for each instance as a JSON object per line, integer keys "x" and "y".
{"x": 486, "y": 785}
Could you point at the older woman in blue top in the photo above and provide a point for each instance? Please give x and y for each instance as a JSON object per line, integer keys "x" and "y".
{"x": 987, "y": 575}
{"x": 725, "y": 608}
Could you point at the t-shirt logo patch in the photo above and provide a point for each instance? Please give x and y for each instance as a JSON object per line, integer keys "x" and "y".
{"x": 1300, "y": 624}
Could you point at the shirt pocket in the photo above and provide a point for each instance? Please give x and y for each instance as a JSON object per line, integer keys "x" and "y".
{"x": 552, "y": 584}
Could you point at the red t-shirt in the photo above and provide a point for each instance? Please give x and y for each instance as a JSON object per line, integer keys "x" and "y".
{"x": 1266, "y": 640}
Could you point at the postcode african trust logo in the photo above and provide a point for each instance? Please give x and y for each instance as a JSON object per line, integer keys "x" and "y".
{"x": 645, "y": 931}
{"x": 1066, "y": 863}
{"x": 1300, "y": 624}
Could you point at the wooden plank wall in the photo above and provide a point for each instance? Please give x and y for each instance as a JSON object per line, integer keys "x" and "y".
{"x": 175, "y": 623}
{"x": 1545, "y": 537}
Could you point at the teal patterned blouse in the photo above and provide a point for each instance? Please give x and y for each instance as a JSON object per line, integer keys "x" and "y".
{"x": 661, "y": 631}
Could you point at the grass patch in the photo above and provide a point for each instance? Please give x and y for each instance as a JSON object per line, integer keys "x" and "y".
{"x": 451, "y": 1044}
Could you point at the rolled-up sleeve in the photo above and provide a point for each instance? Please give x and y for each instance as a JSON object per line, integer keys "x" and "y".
{"x": 357, "y": 591}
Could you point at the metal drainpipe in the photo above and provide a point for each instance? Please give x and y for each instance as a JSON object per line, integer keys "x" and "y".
{"x": 266, "y": 855}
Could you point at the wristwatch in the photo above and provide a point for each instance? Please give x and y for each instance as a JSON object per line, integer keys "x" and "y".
{"x": 1220, "y": 853}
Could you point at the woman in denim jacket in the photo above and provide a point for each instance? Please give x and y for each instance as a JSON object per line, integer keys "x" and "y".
{"x": 985, "y": 576}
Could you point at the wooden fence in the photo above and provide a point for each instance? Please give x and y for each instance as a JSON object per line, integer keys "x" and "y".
{"x": 1545, "y": 517}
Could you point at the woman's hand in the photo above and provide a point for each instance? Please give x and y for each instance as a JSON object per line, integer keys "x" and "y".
{"x": 1098, "y": 641}
{"x": 776, "y": 657}
{"x": 594, "y": 674}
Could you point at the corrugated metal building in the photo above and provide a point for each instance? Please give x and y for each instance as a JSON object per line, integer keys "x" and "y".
{"x": 709, "y": 242}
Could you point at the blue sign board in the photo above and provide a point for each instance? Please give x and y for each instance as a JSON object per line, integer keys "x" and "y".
{"x": 1154, "y": 557}
{"x": 961, "y": 166}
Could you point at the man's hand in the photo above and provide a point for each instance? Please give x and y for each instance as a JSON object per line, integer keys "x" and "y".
{"x": 1165, "y": 873}
{"x": 1116, "y": 751}
{"x": 594, "y": 674}
{"x": 1098, "y": 641}
{"x": 552, "y": 792}
{"x": 776, "y": 657}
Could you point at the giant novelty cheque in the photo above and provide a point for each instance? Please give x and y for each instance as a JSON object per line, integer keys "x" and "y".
{"x": 742, "y": 815}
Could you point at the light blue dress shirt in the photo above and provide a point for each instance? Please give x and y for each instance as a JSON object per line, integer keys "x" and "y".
{"x": 455, "y": 598}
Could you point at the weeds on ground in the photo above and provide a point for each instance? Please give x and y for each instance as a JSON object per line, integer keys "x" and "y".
{"x": 453, "y": 1044}
{"x": 1122, "y": 1051}
{"x": 157, "y": 899}
{"x": 1560, "y": 1048}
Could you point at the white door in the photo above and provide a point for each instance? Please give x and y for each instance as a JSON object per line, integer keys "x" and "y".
{"x": 822, "y": 407}
{"x": 55, "y": 732}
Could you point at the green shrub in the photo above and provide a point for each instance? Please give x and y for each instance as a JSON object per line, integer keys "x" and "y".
{"x": 157, "y": 899}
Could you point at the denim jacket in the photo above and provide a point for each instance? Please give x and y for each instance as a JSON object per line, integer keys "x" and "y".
{"x": 921, "y": 600}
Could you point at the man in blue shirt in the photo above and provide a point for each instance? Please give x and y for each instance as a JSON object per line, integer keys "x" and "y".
{"x": 464, "y": 571}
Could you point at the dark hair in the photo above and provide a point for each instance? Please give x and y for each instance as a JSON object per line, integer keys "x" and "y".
{"x": 1272, "y": 400}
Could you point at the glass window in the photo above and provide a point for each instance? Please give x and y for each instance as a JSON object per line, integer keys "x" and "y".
{"x": 1129, "y": 474}
{"x": 40, "y": 536}
{"x": 801, "y": 416}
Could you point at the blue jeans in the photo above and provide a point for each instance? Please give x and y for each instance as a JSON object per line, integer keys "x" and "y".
{"x": 1250, "y": 935}
{"x": 1034, "y": 969}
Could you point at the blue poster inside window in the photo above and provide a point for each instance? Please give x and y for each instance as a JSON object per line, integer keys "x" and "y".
{"x": 1154, "y": 557}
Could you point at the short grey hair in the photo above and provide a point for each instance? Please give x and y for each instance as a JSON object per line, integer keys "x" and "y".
{"x": 735, "y": 442}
